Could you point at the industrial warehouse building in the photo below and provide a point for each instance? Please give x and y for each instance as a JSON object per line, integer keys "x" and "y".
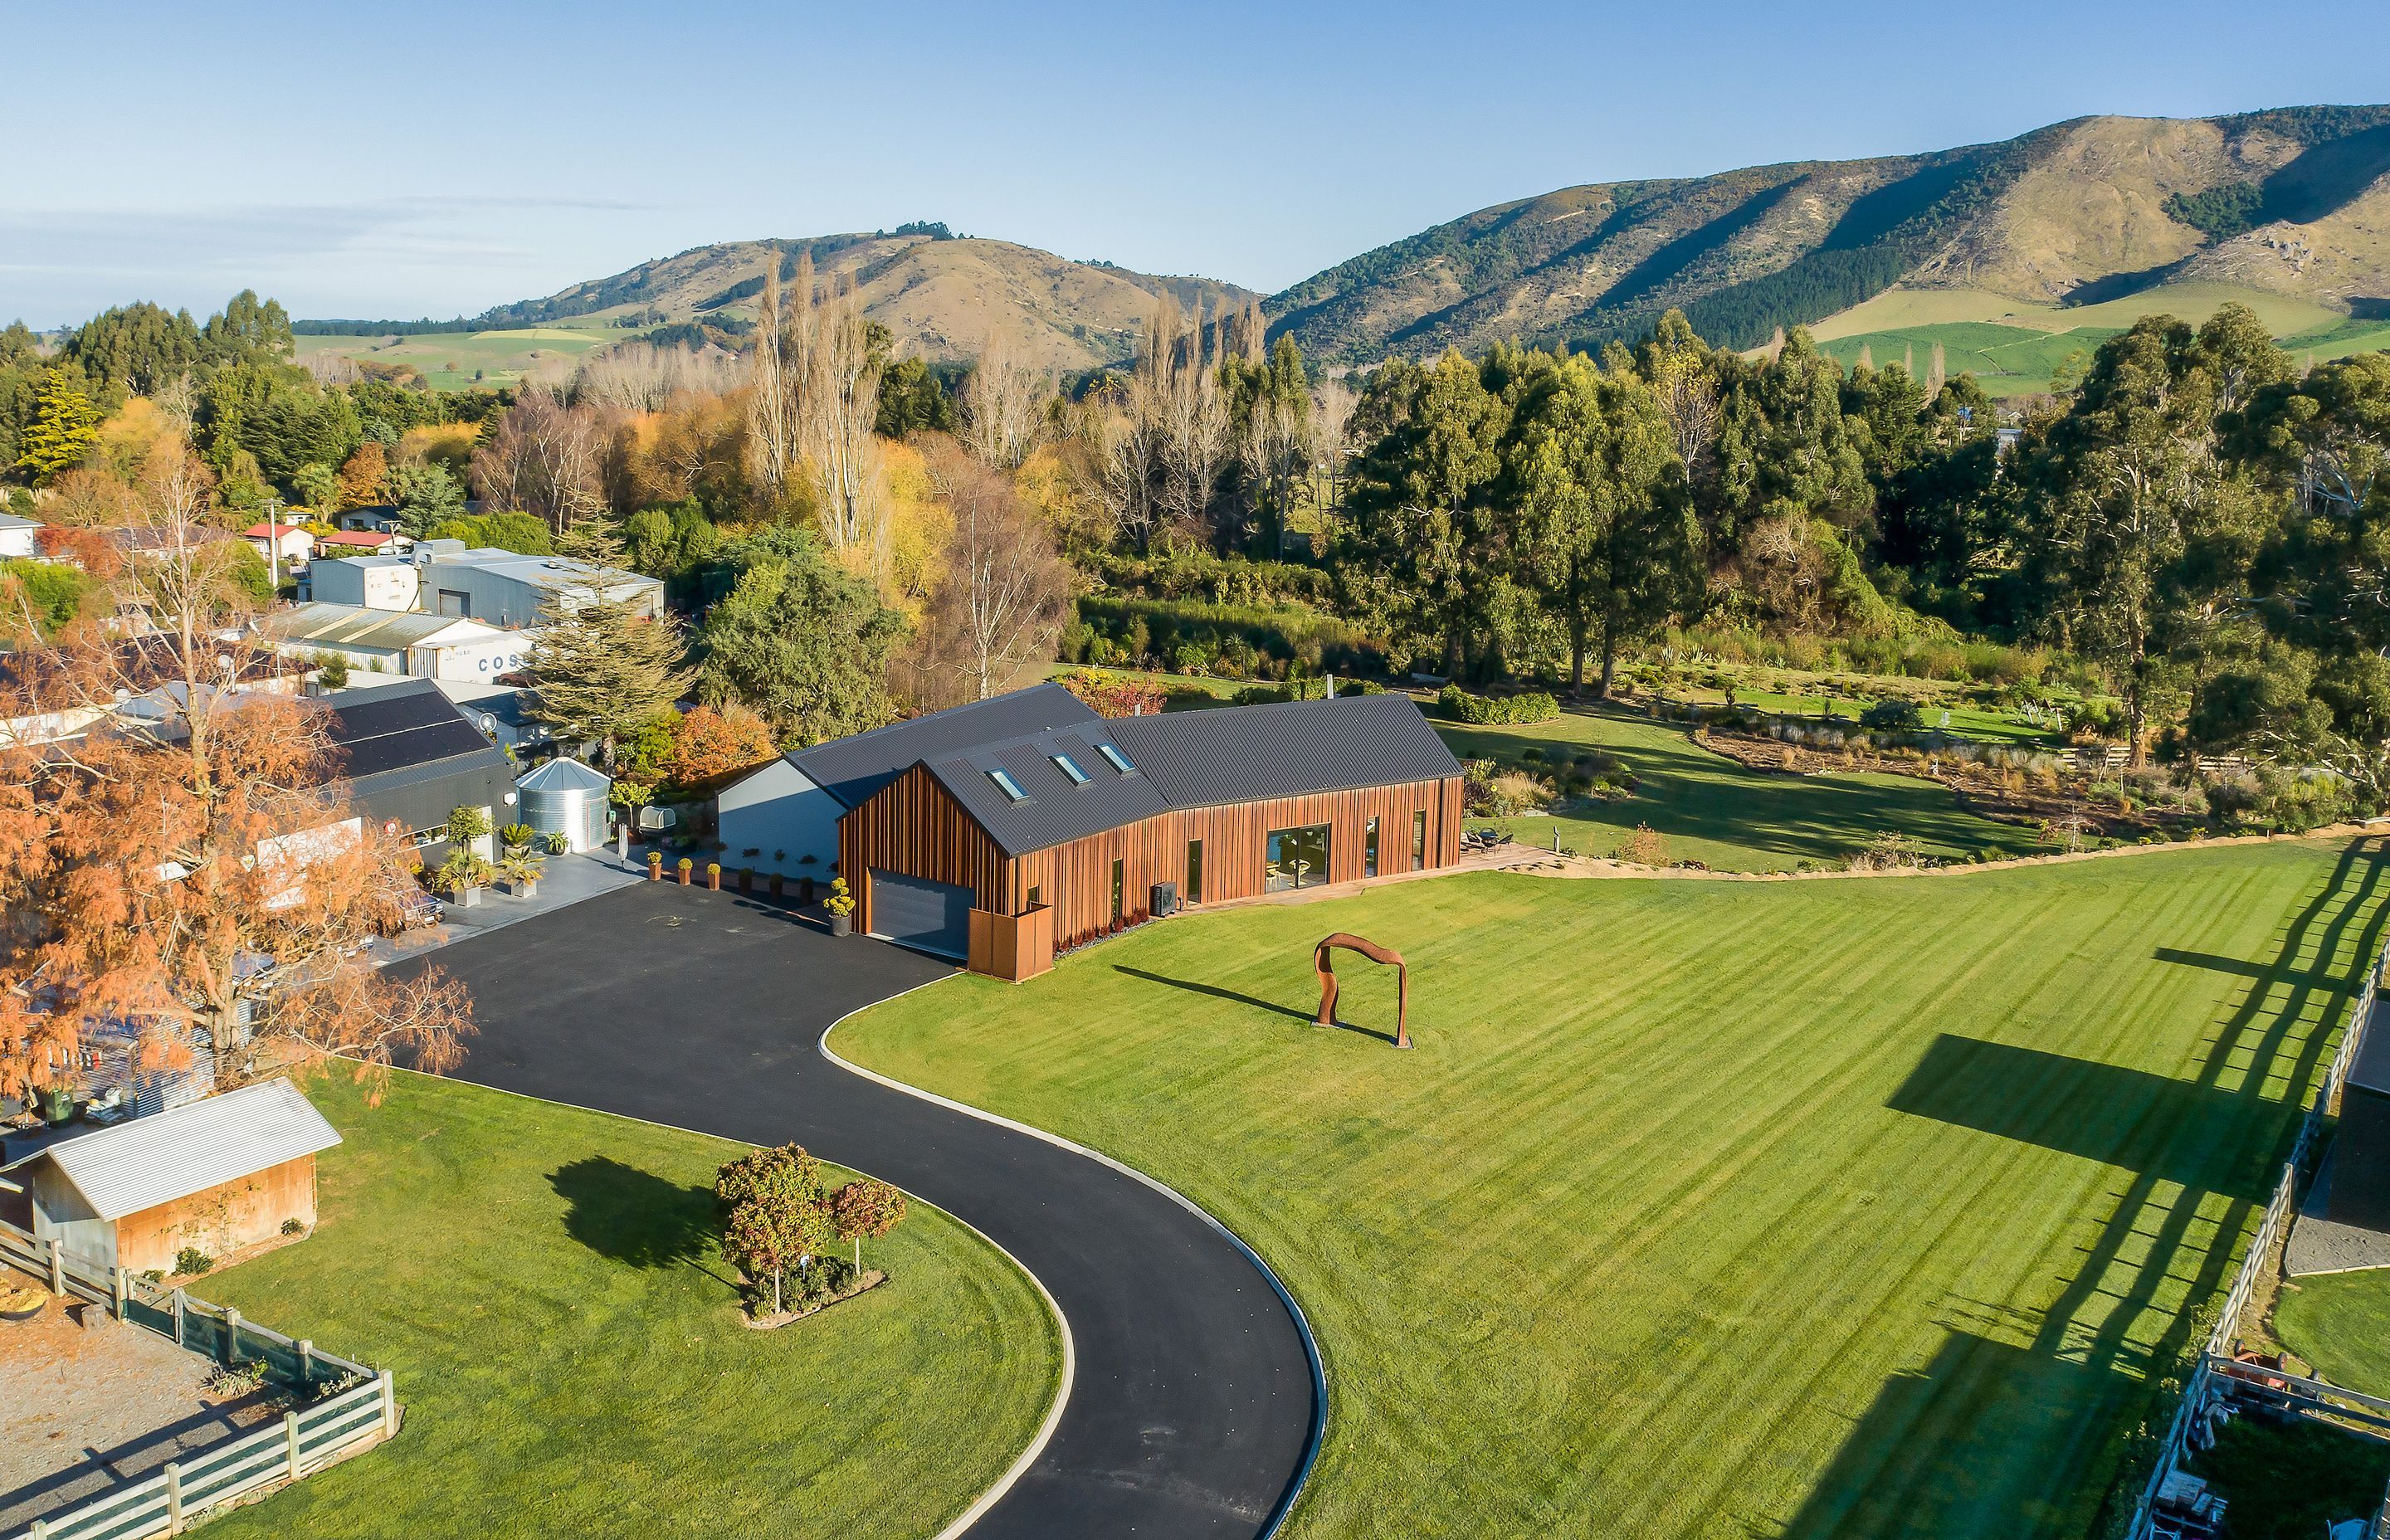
{"x": 1002, "y": 831}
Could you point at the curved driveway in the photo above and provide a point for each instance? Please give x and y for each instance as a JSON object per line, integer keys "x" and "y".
{"x": 1193, "y": 1408}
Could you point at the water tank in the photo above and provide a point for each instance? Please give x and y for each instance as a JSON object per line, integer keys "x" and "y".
{"x": 566, "y": 797}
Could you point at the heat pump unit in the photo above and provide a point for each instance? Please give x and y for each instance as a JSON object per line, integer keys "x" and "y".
{"x": 1166, "y": 899}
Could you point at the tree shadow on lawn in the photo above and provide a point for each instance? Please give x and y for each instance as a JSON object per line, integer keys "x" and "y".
{"x": 1996, "y": 1437}
{"x": 1685, "y": 792}
{"x": 1252, "y": 1001}
{"x": 635, "y": 1217}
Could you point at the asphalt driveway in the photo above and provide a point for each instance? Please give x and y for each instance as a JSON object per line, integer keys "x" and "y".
{"x": 1193, "y": 1400}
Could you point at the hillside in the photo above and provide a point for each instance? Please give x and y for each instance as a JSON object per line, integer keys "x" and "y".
{"x": 940, "y": 295}
{"x": 2294, "y": 203}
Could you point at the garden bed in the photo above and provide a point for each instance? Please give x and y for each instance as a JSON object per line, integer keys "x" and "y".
{"x": 872, "y": 1277}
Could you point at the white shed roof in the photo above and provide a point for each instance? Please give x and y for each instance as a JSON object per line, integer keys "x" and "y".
{"x": 200, "y": 1145}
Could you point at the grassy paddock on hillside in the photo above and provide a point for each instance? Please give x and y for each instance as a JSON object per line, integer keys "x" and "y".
{"x": 567, "y": 1342}
{"x": 1856, "y": 1207}
{"x": 1714, "y": 810}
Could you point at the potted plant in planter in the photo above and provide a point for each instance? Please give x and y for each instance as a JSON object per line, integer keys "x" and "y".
{"x": 714, "y": 876}
{"x": 655, "y": 865}
{"x": 462, "y": 877}
{"x": 746, "y": 879}
{"x": 686, "y": 866}
{"x": 776, "y": 884}
{"x": 840, "y": 906}
{"x": 521, "y": 869}
{"x": 555, "y": 843}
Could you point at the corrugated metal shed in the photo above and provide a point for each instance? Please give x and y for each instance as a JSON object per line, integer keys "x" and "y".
{"x": 356, "y": 626}
{"x": 191, "y": 1149}
{"x": 1286, "y": 749}
{"x": 853, "y": 769}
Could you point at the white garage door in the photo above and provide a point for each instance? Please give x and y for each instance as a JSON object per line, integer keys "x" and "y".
{"x": 913, "y": 911}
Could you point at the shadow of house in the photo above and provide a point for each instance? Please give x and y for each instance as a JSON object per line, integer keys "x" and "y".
{"x": 633, "y": 1216}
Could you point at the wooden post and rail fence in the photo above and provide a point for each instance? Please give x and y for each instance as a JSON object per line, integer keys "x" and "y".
{"x": 354, "y": 1407}
{"x": 2216, "y": 1372}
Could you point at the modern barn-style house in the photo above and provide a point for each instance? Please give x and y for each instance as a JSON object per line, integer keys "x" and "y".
{"x": 1000, "y": 831}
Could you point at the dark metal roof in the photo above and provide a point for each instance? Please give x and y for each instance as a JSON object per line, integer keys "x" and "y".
{"x": 1195, "y": 759}
{"x": 851, "y": 769}
{"x": 1055, "y": 810}
{"x": 403, "y": 727}
{"x": 1288, "y": 749}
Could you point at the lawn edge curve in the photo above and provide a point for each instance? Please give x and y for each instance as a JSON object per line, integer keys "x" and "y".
{"x": 1313, "y": 1439}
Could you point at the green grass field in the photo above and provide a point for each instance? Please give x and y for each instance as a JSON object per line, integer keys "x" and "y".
{"x": 2014, "y": 346}
{"x": 567, "y": 1344}
{"x": 459, "y": 361}
{"x": 2339, "y": 1323}
{"x": 1843, "y": 1207}
{"x": 1715, "y": 812}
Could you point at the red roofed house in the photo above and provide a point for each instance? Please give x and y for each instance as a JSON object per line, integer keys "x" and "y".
{"x": 361, "y": 543}
{"x": 287, "y": 544}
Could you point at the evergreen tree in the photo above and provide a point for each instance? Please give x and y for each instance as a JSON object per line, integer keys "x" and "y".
{"x": 1605, "y": 531}
{"x": 797, "y": 639}
{"x": 599, "y": 669}
{"x": 65, "y": 426}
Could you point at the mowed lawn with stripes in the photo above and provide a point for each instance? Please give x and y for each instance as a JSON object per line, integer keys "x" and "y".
{"x": 1847, "y": 1206}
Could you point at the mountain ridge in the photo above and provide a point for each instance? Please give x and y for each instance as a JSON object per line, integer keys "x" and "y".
{"x": 2086, "y": 210}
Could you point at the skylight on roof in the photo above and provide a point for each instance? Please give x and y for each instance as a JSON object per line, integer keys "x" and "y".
{"x": 1070, "y": 767}
{"x": 1005, "y": 784}
{"x": 1118, "y": 760}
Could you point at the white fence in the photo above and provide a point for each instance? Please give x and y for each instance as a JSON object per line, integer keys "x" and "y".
{"x": 358, "y": 1409}
{"x": 2216, "y": 1372}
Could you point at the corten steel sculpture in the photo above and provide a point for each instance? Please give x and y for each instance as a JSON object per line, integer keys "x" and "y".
{"x": 1371, "y": 950}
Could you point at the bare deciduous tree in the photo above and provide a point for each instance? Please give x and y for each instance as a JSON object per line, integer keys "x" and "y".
{"x": 1002, "y": 591}
{"x": 546, "y": 457}
{"x": 1001, "y": 402}
{"x": 640, "y": 377}
{"x": 839, "y": 404}
{"x": 772, "y": 405}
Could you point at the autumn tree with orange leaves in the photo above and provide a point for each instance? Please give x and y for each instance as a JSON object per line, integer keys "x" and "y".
{"x": 177, "y": 855}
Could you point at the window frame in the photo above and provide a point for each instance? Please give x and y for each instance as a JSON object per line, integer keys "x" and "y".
{"x": 1002, "y": 780}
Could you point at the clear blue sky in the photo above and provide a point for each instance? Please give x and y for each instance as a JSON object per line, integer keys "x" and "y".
{"x": 380, "y": 160}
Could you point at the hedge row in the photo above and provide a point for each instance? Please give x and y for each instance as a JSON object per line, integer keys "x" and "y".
{"x": 1496, "y": 711}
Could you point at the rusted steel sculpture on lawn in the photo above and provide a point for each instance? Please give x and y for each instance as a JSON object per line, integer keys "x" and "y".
{"x": 1321, "y": 963}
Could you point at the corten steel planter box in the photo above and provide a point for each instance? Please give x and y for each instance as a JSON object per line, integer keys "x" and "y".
{"x": 746, "y": 881}
{"x": 655, "y": 871}
{"x": 804, "y": 890}
{"x": 841, "y": 925}
{"x": 714, "y": 881}
{"x": 684, "y": 875}
{"x": 776, "y": 884}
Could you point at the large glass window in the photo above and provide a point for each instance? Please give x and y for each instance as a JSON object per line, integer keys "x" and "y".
{"x": 1369, "y": 849}
{"x": 1418, "y": 841}
{"x": 1295, "y": 858}
{"x": 1194, "y": 871}
{"x": 1116, "y": 892}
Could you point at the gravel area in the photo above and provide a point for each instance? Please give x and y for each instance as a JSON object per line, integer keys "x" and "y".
{"x": 2320, "y": 1245}
{"x": 89, "y": 1406}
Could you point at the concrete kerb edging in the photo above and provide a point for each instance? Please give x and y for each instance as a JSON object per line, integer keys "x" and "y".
{"x": 1302, "y": 1323}
{"x": 1037, "y": 1446}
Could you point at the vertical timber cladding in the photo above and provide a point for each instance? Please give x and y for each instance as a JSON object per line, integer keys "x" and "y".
{"x": 913, "y": 827}
{"x": 1075, "y": 878}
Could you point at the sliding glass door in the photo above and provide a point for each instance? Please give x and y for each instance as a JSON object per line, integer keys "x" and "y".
{"x": 1295, "y": 858}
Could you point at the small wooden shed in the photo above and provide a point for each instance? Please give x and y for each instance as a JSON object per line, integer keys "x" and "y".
{"x": 216, "y": 1175}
